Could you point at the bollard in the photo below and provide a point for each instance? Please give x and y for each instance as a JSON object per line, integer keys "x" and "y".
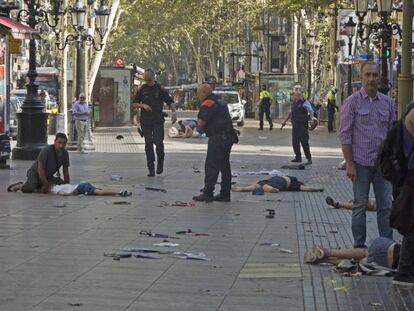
{"x": 5, "y": 151}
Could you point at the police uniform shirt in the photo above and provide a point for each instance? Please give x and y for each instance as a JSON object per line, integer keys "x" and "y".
{"x": 216, "y": 115}
{"x": 300, "y": 109}
{"x": 265, "y": 98}
{"x": 154, "y": 96}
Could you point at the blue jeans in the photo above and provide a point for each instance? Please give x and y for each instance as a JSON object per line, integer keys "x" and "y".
{"x": 383, "y": 196}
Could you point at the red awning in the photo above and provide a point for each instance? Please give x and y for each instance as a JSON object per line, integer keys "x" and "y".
{"x": 18, "y": 30}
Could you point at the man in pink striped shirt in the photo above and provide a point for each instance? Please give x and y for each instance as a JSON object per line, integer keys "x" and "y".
{"x": 365, "y": 119}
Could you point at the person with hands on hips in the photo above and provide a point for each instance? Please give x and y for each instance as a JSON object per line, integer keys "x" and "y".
{"x": 150, "y": 98}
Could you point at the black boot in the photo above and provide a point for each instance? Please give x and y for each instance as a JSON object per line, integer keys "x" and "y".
{"x": 208, "y": 198}
{"x": 160, "y": 167}
{"x": 151, "y": 170}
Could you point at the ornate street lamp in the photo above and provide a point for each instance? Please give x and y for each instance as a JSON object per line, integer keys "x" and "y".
{"x": 350, "y": 29}
{"x": 32, "y": 120}
{"x": 381, "y": 30}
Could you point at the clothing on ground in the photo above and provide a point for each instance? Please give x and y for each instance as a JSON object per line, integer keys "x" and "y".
{"x": 378, "y": 251}
{"x": 86, "y": 188}
{"x": 65, "y": 188}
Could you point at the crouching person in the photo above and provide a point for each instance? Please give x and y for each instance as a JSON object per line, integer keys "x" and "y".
{"x": 45, "y": 171}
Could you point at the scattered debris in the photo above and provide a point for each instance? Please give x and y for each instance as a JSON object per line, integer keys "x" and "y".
{"x": 119, "y": 137}
{"x": 177, "y": 203}
{"x": 265, "y": 150}
{"x": 333, "y": 231}
{"x": 122, "y": 203}
{"x": 115, "y": 177}
{"x": 285, "y": 250}
{"x": 59, "y": 204}
{"x": 118, "y": 255}
{"x": 156, "y": 189}
{"x": 293, "y": 166}
{"x": 244, "y": 167}
{"x": 269, "y": 244}
{"x": 342, "y": 288}
{"x": 190, "y": 232}
{"x": 271, "y": 213}
{"x": 374, "y": 304}
{"x": 195, "y": 256}
{"x": 166, "y": 244}
{"x": 151, "y": 234}
{"x": 262, "y": 137}
{"x": 75, "y": 304}
{"x": 145, "y": 256}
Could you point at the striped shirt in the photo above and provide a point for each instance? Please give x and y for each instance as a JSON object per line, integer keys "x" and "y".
{"x": 364, "y": 123}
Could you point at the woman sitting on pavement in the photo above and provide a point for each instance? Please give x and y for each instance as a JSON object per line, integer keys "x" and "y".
{"x": 85, "y": 188}
{"x": 276, "y": 184}
{"x": 383, "y": 252}
{"x": 372, "y": 206}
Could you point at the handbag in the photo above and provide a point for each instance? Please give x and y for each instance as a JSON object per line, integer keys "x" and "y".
{"x": 402, "y": 213}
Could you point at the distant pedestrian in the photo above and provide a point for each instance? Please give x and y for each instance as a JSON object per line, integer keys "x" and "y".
{"x": 80, "y": 112}
{"x": 365, "y": 119}
{"x": 150, "y": 98}
{"x": 300, "y": 113}
{"x": 331, "y": 108}
{"x": 45, "y": 171}
{"x": 214, "y": 118}
{"x": 264, "y": 108}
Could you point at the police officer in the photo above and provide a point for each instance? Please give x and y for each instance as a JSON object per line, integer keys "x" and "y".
{"x": 264, "y": 108}
{"x": 331, "y": 107}
{"x": 151, "y": 97}
{"x": 300, "y": 132}
{"x": 215, "y": 119}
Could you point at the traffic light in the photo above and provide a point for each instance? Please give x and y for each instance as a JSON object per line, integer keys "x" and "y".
{"x": 388, "y": 53}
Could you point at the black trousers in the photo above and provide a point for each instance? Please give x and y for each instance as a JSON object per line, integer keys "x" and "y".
{"x": 406, "y": 263}
{"x": 218, "y": 161}
{"x": 264, "y": 111}
{"x": 300, "y": 136}
{"x": 331, "y": 118}
{"x": 154, "y": 135}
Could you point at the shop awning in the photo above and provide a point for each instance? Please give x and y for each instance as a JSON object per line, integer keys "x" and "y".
{"x": 18, "y": 30}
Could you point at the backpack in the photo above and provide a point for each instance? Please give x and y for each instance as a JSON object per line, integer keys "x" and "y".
{"x": 391, "y": 160}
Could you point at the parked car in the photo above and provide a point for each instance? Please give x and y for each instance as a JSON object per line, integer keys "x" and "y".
{"x": 51, "y": 105}
{"x": 234, "y": 103}
{"x": 15, "y": 106}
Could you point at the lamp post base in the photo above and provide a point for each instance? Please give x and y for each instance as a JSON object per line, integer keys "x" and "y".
{"x": 31, "y": 135}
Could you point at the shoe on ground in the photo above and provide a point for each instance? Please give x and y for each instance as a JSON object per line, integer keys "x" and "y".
{"x": 222, "y": 198}
{"x": 271, "y": 127}
{"x": 403, "y": 280}
{"x": 330, "y": 201}
{"x": 151, "y": 173}
{"x": 14, "y": 187}
{"x": 309, "y": 161}
{"x": 296, "y": 160}
{"x": 125, "y": 193}
{"x": 310, "y": 257}
{"x": 203, "y": 198}
{"x": 260, "y": 128}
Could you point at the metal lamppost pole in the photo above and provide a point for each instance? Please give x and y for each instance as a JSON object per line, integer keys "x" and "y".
{"x": 260, "y": 52}
{"x": 405, "y": 79}
{"x": 282, "y": 50}
{"x": 350, "y": 28}
{"x": 80, "y": 38}
{"x": 32, "y": 120}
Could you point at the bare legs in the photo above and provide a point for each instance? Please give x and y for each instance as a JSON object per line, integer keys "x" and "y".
{"x": 310, "y": 189}
{"x": 319, "y": 254}
{"x": 266, "y": 188}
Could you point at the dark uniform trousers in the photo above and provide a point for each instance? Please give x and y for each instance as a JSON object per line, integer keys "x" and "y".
{"x": 300, "y": 136}
{"x": 153, "y": 135}
{"x": 218, "y": 161}
{"x": 331, "y": 116}
{"x": 264, "y": 110}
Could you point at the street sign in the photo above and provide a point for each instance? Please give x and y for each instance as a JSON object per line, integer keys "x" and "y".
{"x": 360, "y": 57}
{"x": 120, "y": 61}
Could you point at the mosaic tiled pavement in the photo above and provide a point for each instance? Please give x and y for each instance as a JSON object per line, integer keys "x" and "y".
{"x": 51, "y": 258}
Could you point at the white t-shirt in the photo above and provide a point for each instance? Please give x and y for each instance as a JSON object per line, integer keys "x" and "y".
{"x": 66, "y": 188}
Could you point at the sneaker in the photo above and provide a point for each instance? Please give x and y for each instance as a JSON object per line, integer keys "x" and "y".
{"x": 296, "y": 160}
{"x": 160, "y": 168}
{"x": 125, "y": 193}
{"x": 222, "y": 198}
{"x": 203, "y": 198}
{"x": 330, "y": 201}
{"x": 403, "y": 280}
